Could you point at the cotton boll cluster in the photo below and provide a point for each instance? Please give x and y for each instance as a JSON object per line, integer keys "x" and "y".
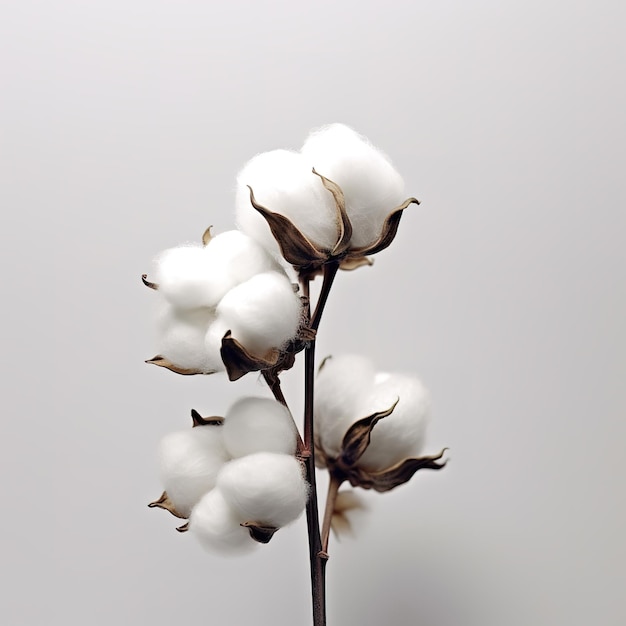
{"x": 284, "y": 182}
{"x": 347, "y": 390}
{"x": 240, "y": 472}
{"x": 232, "y": 283}
{"x": 370, "y": 184}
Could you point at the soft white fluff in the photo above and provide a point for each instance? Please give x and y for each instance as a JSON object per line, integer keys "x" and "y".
{"x": 262, "y": 313}
{"x": 181, "y": 339}
{"x": 237, "y": 257}
{"x": 401, "y": 434}
{"x": 259, "y": 425}
{"x": 266, "y": 488}
{"x": 340, "y": 387}
{"x": 371, "y": 185}
{"x": 189, "y": 461}
{"x": 216, "y": 525}
{"x": 188, "y": 277}
{"x": 283, "y": 182}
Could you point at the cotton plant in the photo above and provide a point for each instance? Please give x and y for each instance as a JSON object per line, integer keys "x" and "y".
{"x": 240, "y": 302}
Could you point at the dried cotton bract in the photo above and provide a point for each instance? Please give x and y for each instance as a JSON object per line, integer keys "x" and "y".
{"x": 371, "y": 186}
{"x": 282, "y": 181}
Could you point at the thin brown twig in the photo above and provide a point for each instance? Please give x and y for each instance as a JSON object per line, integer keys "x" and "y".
{"x": 331, "y": 498}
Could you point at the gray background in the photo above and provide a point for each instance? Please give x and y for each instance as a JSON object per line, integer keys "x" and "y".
{"x": 123, "y": 127}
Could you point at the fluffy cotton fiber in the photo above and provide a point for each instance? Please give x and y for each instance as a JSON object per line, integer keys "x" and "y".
{"x": 195, "y": 276}
{"x": 263, "y": 312}
{"x": 188, "y": 279}
{"x": 283, "y": 183}
{"x": 216, "y": 525}
{"x": 340, "y": 387}
{"x": 237, "y": 257}
{"x": 266, "y": 488}
{"x": 371, "y": 185}
{"x": 259, "y": 425}
{"x": 181, "y": 339}
{"x": 401, "y": 434}
{"x": 189, "y": 463}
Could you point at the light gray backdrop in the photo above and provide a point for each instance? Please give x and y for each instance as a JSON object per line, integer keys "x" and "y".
{"x": 123, "y": 127}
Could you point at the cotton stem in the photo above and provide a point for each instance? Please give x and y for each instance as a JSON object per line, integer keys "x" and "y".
{"x": 331, "y": 498}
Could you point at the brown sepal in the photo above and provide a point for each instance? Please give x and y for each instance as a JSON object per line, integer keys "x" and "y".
{"x": 147, "y": 283}
{"x": 262, "y": 534}
{"x": 198, "y": 420}
{"x": 161, "y": 361}
{"x": 183, "y": 529}
{"x": 165, "y": 503}
{"x": 207, "y": 236}
{"x": 346, "y": 501}
{"x": 294, "y": 246}
{"x": 344, "y": 226}
{"x": 358, "y": 437}
{"x": 239, "y": 361}
{"x": 350, "y": 264}
{"x": 396, "y": 475}
{"x": 388, "y": 233}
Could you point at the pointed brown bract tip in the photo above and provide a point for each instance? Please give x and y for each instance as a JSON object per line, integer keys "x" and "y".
{"x": 294, "y": 246}
{"x": 239, "y": 361}
{"x": 388, "y": 232}
{"x": 165, "y": 503}
{"x": 184, "y": 528}
{"x": 198, "y": 420}
{"x": 358, "y": 437}
{"x": 161, "y": 361}
{"x": 207, "y": 236}
{"x": 147, "y": 283}
{"x": 401, "y": 472}
{"x": 323, "y": 362}
{"x": 262, "y": 534}
{"x": 350, "y": 264}
{"x": 344, "y": 226}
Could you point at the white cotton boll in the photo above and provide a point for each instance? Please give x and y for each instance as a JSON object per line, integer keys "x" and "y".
{"x": 216, "y": 525}
{"x": 237, "y": 257}
{"x": 189, "y": 462}
{"x": 371, "y": 185}
{"x": 189, "y": 278}
{"x": 181, "y": 339}
{"x": 266, "y": 488}
{"x": 283, "y": 183}
{"x": 401, "y": 434}
{"x": 259, "y": 425}
{"x": 340, "y": 387}
{"x": 262, "y": 313}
